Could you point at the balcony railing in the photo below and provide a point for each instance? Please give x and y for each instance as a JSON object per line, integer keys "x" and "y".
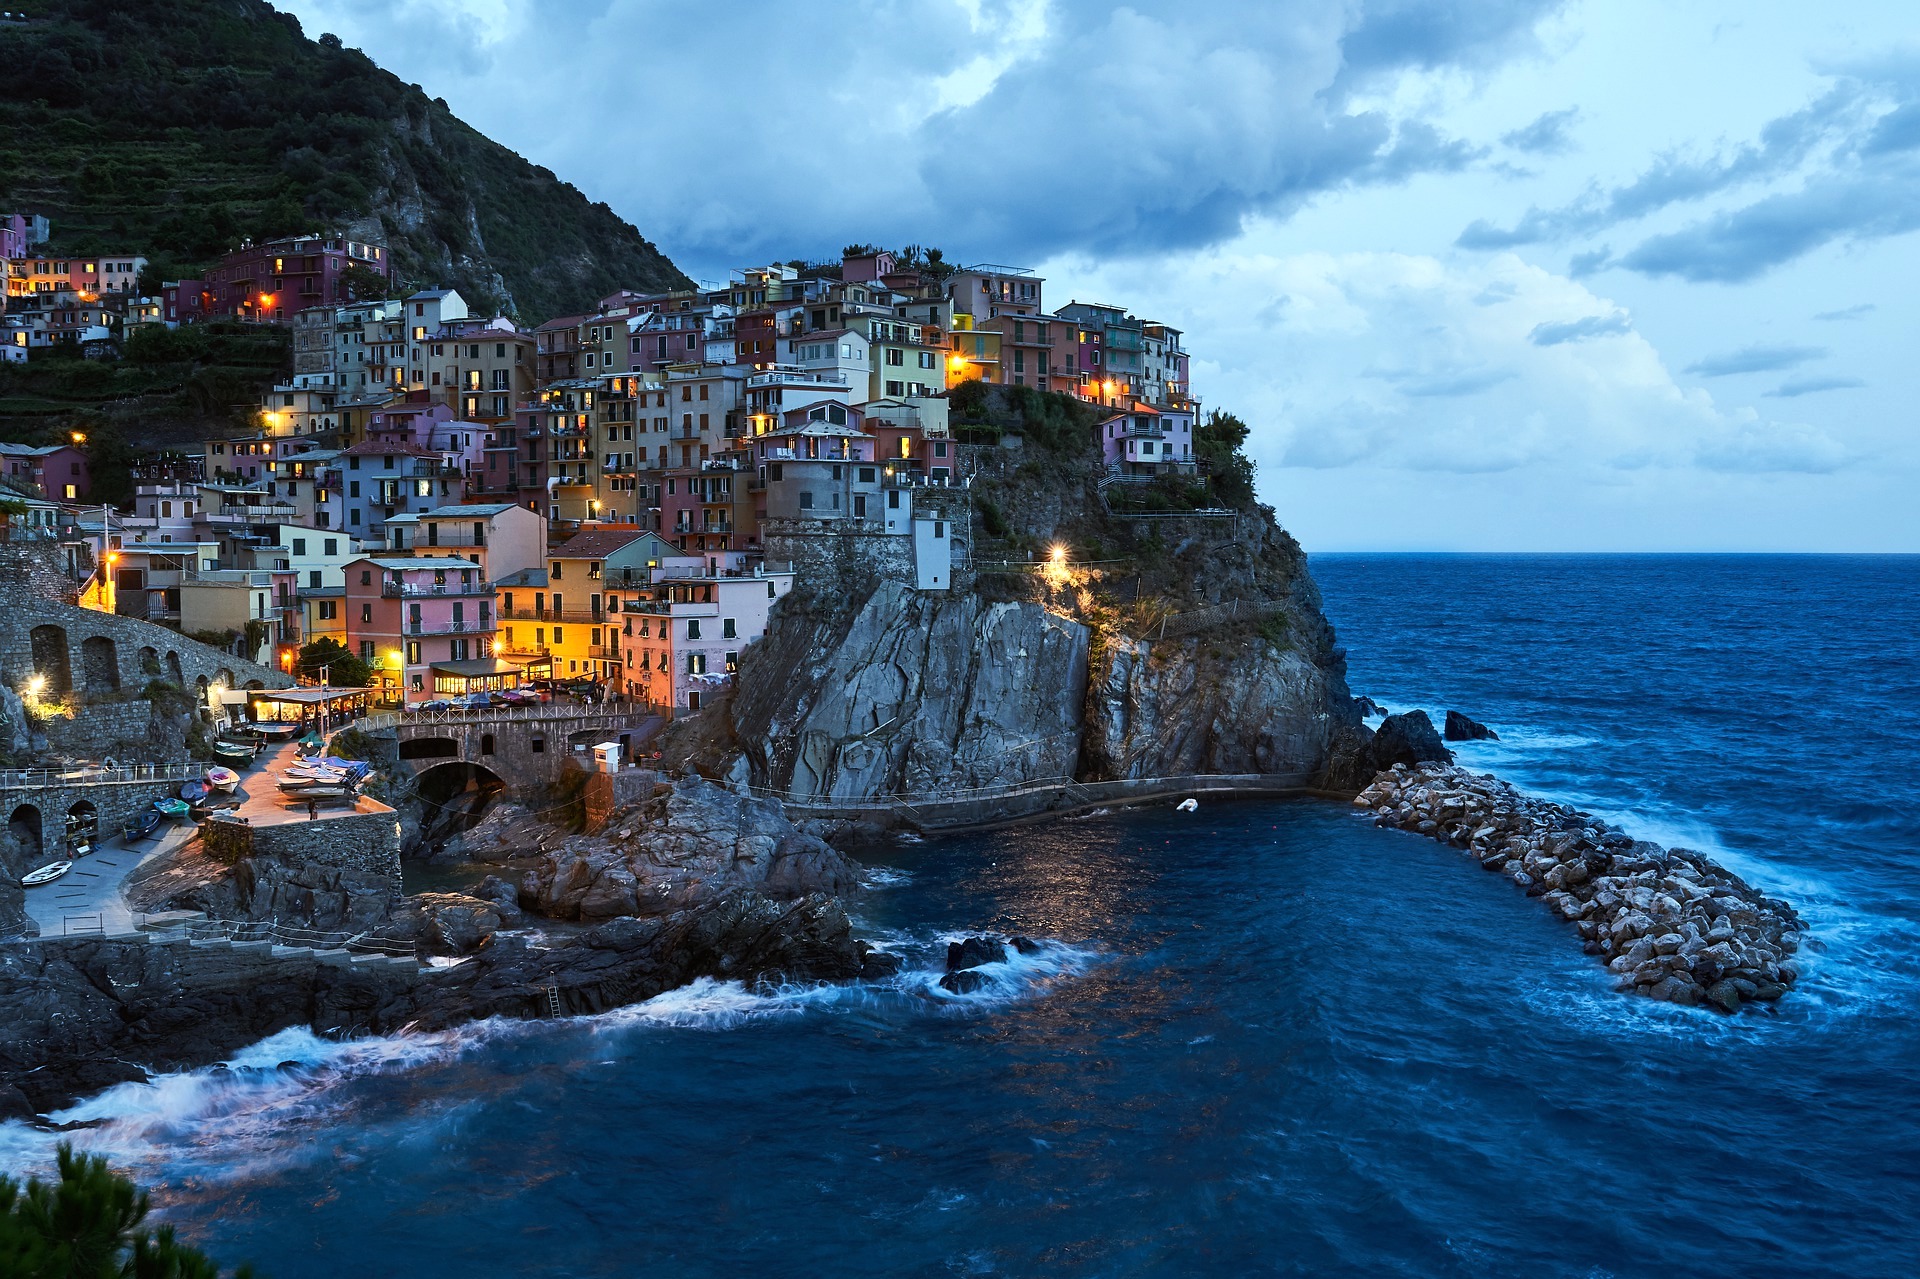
{"x": 571, "y": 616}
{"x": 481, "y": 626}
{"x": 424, "y": 590}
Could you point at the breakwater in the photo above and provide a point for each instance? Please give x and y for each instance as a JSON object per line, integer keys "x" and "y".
{"x": 1671, "y": 924}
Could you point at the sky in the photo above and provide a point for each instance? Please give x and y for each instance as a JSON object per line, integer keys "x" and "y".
{"x": 1522, "y": 275}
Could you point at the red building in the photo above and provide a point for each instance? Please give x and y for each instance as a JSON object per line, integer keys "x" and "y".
{"x": 271, "y": 282}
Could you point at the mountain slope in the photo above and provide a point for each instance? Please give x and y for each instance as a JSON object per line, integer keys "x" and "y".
{"x": 179, "y": 127}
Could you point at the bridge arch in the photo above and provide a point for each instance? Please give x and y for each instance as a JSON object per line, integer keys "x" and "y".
{"x": 457, "y": 794}
{"x": 24, "y": 825}
{"x": 99, "y": 665}
{"x": 150, "y": 661}
{"x": 83, "y": 825}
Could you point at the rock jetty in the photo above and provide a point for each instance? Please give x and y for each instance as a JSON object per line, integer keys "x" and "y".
{"x": 1668, "y": 923}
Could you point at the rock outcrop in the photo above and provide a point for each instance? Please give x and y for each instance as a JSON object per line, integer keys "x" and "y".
{"x": 80, "y": 1015}
{"x": 1407, "y": 738}
{"x": 1461, "y": 729}
{"x": 911, "y": 692}
{"x": 1669, "y": 923}
{"x": 688, "y": 845}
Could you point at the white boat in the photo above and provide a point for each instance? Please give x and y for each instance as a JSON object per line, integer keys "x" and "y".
{"x": 1187, "y": 806}
{"x": 222, "y": 779}
{"x": 45, "y": 875}
{"x": 313, "y": 773}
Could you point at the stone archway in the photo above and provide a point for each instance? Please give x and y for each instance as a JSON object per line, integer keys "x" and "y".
{"x": 24, "y": 826}
{"x": 51, "y": 662}
{"x": 174, "y": 672}
{"x": 225, "y": 677}
{"x": 99, "y": 665}
{"x": 149, "y": 661}
{"x": 429, "y": 748}
{"x": 455, "y": 794}
{"x": 83, "y": 826}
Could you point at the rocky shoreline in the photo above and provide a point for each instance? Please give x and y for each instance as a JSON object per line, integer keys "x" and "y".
{"x": 1670, "y": 924}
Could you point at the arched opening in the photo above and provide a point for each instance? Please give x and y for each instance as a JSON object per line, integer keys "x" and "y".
{"x": 454, "y": 796}
{"x": 24, "y": 827}
{"x": 486, "y": 743}
{"x": 83, "y": 823}
{"x": 150, "y": 661}
{"x": 50, "y": 660}
{"x": 225, "y": 677}
{"x": 174, "y": 672}
{"x": 99, "y": 664}
{"x": 430, "y": 748}
{"x": 255, "y": 684}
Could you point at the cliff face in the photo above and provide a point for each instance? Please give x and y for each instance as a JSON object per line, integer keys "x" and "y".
{"x": 1177, "y": 647}
{"x": 906, "y": 692}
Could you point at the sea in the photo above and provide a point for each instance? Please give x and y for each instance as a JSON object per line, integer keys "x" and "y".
{"x": 1263, "y": 1038}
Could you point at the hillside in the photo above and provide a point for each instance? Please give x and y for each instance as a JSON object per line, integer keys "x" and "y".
{"x": 178, "y": 128}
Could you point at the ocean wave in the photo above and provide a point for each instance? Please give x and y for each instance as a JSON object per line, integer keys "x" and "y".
{"x": 878, "y": 877}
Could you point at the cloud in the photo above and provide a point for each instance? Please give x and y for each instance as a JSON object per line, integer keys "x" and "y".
{"x": 1546, "y": 135}
{"x": 1756, "y": 359}
{"x": 1861, "y": 311}
{"x": 1399, "y": 362}
{"x": 1580, "y": 330}
{"x": 1796, "y": 387}
{"x": 1026, "y": 128}
{"x": 1843, "y": 168}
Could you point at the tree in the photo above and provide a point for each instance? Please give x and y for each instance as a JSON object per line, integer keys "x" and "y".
{"x": 1218, "y": 442}
{"x": 88, "y": 1225}
{"x": 363, "y": 283}
{"x": 343, "y": 669}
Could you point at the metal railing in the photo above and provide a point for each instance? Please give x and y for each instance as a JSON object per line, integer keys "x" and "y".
{"x": 19, "y": 778}
{"x": 545, "y": 713}
{"x": 202, "y": 930}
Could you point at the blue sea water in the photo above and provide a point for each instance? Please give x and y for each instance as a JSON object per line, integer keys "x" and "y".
{"x": 1266, "y": 1038}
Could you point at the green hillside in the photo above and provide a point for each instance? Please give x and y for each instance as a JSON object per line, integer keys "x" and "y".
{"x": 180, "y": 127}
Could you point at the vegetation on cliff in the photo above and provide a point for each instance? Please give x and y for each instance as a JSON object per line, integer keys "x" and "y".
{"x": 178, "y": 128}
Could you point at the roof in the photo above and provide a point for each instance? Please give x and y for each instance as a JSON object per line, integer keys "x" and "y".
{"x": 430, "y": 293}
{"x": 477, "y": 666}
{"x": 398, "y": 562}
{"x": 596, "y": 544}
{"x": 385, "y": 448}
{"x": 524, "y": 577}
{"x": 471, "y": 509}
{"x": 29, "y": 450}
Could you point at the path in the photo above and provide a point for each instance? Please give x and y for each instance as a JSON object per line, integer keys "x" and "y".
{"x": 262, "y": 804}
{"x": 89, "y": 898}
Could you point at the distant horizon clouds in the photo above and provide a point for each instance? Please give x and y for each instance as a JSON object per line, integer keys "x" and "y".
{"x": 1498, "y": 274}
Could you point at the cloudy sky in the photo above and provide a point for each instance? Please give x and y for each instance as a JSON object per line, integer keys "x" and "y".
{"x": 1483, "y": 275}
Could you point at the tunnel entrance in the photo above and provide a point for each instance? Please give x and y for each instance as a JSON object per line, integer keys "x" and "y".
{"x": 454, "y": 797}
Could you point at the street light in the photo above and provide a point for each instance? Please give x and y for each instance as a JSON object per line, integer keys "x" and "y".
{"x": 36, "y": 684}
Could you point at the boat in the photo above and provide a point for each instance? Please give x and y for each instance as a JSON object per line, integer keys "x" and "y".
{"x": 222, "y": 779}
{"x": 316, "y": 792}
{"x": 1186, "y": 806}
{"x": 139, "y": 826}
{"x": 277, "y": 732}
{"x": 233, "y": 752}
{"x": 194, "y": 792}
{"x": 173, "y": 808}
{"x": 45, "y": 875}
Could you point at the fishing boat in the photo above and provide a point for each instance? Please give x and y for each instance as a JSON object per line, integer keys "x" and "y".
{"x": 45, "y": 875}
{"x": 173, "y": 808}
{"x": 194, "y": 792}
{"x": 222, "y": 779}
{"x": 139, "y": 826}
{"x": 233, "y": 752}
{"x": 277, "y": 732}
{"x": 1187, "y": 806}
{"x": 303, "y": 793}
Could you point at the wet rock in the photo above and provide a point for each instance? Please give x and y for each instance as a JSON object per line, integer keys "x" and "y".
{"x": 454, "y": 923}
{"x": 1408, "y": 738}
{"x": 964, "y": 982}
{"x": 878, "y": 966}
{"x": 973, "y": 952}
{"x": 1461, "y": 729}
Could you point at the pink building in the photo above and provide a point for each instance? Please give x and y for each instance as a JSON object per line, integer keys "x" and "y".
{"x": 59, "y": 471}
{"x": 678, "y": 648}
{"x": 271, "y": 282}
{"x": 1147, "y": 441}
{"x": 424, "y": 626}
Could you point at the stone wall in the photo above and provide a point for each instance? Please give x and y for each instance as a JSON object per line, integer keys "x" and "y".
{"x": 506, "y": 747}
{"x": 93, "y": 732}
{"x": 357, "y": 841}
{"x": 82, "y": 652}
{"x": 832, "y": 551}
{"x": 113, "y": 803}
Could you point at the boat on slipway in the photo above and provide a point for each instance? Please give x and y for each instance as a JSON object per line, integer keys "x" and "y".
{"x": 45, "y": 875}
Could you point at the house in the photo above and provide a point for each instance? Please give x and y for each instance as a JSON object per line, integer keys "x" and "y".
{"x": 271, "y": 282}
{"x": 424, "y": 625}
{"x": 1147, "y": 441}
{"x": 679, "y": 647}
{"x": 373, "y": 481}
{"x": 818, "y": 465}
{"x": 59, "y": 471}
{"x": 503, "y": 539}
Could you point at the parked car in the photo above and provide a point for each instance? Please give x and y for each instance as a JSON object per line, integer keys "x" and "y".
{"x": 474, "y": 702}
{"x": 435, "y": 704}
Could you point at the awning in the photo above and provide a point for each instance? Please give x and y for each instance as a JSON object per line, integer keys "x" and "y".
{"x": 306, "y": 696}
{"x": 476, "y": 667}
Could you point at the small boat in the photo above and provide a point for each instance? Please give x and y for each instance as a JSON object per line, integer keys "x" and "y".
{"x": 1186, "y": 806}
{"x": 173, "y": 808}
{"x": 316, "y": 792}
{"x": 277, "y": 732}
{"x": 222, "y": 779}
{"x": 139, "y": 826}
{"x": 45, "y": 875}
{"x": 194, "y": 792}
{"x": 233, "y": 752}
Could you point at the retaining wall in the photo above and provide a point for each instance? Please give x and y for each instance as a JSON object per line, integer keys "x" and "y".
{"x": 81, "y": 651}
{"x": 368, "y": 841}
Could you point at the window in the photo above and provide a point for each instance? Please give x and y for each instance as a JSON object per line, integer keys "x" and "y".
{"x": 366, "y": 613}
{"x": 333, "y": 546}
{"x": 806, "y": 501}
{"x": 693, "y": 628}
{"x": 895, "y": 356}
{"x": 313, "y": 579}
{"x": 927, "y": 360}
{"x": 696, "y": 663}
{"x": 413, "y": 652}
{"x": 328, "y": 611}
{"x": 299, "y": 546}
{"x": 366, "y": 651}
{"x": 366, "y": 577}
{"x": 727, "y": 629}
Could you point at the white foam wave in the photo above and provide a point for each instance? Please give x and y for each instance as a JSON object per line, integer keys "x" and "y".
{"x": 884, "y": 877}
{"x": 1020, "y": 976}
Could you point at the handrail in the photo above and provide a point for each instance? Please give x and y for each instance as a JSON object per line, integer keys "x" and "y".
{"x": 16, "y": 778}
{"x": 386, "y": 720}
{"x": 1085, "y": 791}
{"x": 270, "y": 930}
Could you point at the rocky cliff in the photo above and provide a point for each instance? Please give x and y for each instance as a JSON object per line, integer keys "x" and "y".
{"x": 1089, "y": 638}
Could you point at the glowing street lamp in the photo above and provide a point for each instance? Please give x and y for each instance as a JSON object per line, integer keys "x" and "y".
{"x": 79, "y": 437}
{"x": 36, "y": 685}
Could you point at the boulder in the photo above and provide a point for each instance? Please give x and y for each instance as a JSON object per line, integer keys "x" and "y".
{"x": 1461, "y": 729}
{"x": 973, "y": 952}
{"x": 964, "y": 982}
{"x": 1408, "y": 738}
{"x": 454, "y": 923}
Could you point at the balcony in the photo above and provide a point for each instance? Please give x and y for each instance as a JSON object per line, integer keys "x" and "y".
{"x": 479, "y": 626}
{"x": 427, "y": 590}
{"x": 571, "y": 616}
